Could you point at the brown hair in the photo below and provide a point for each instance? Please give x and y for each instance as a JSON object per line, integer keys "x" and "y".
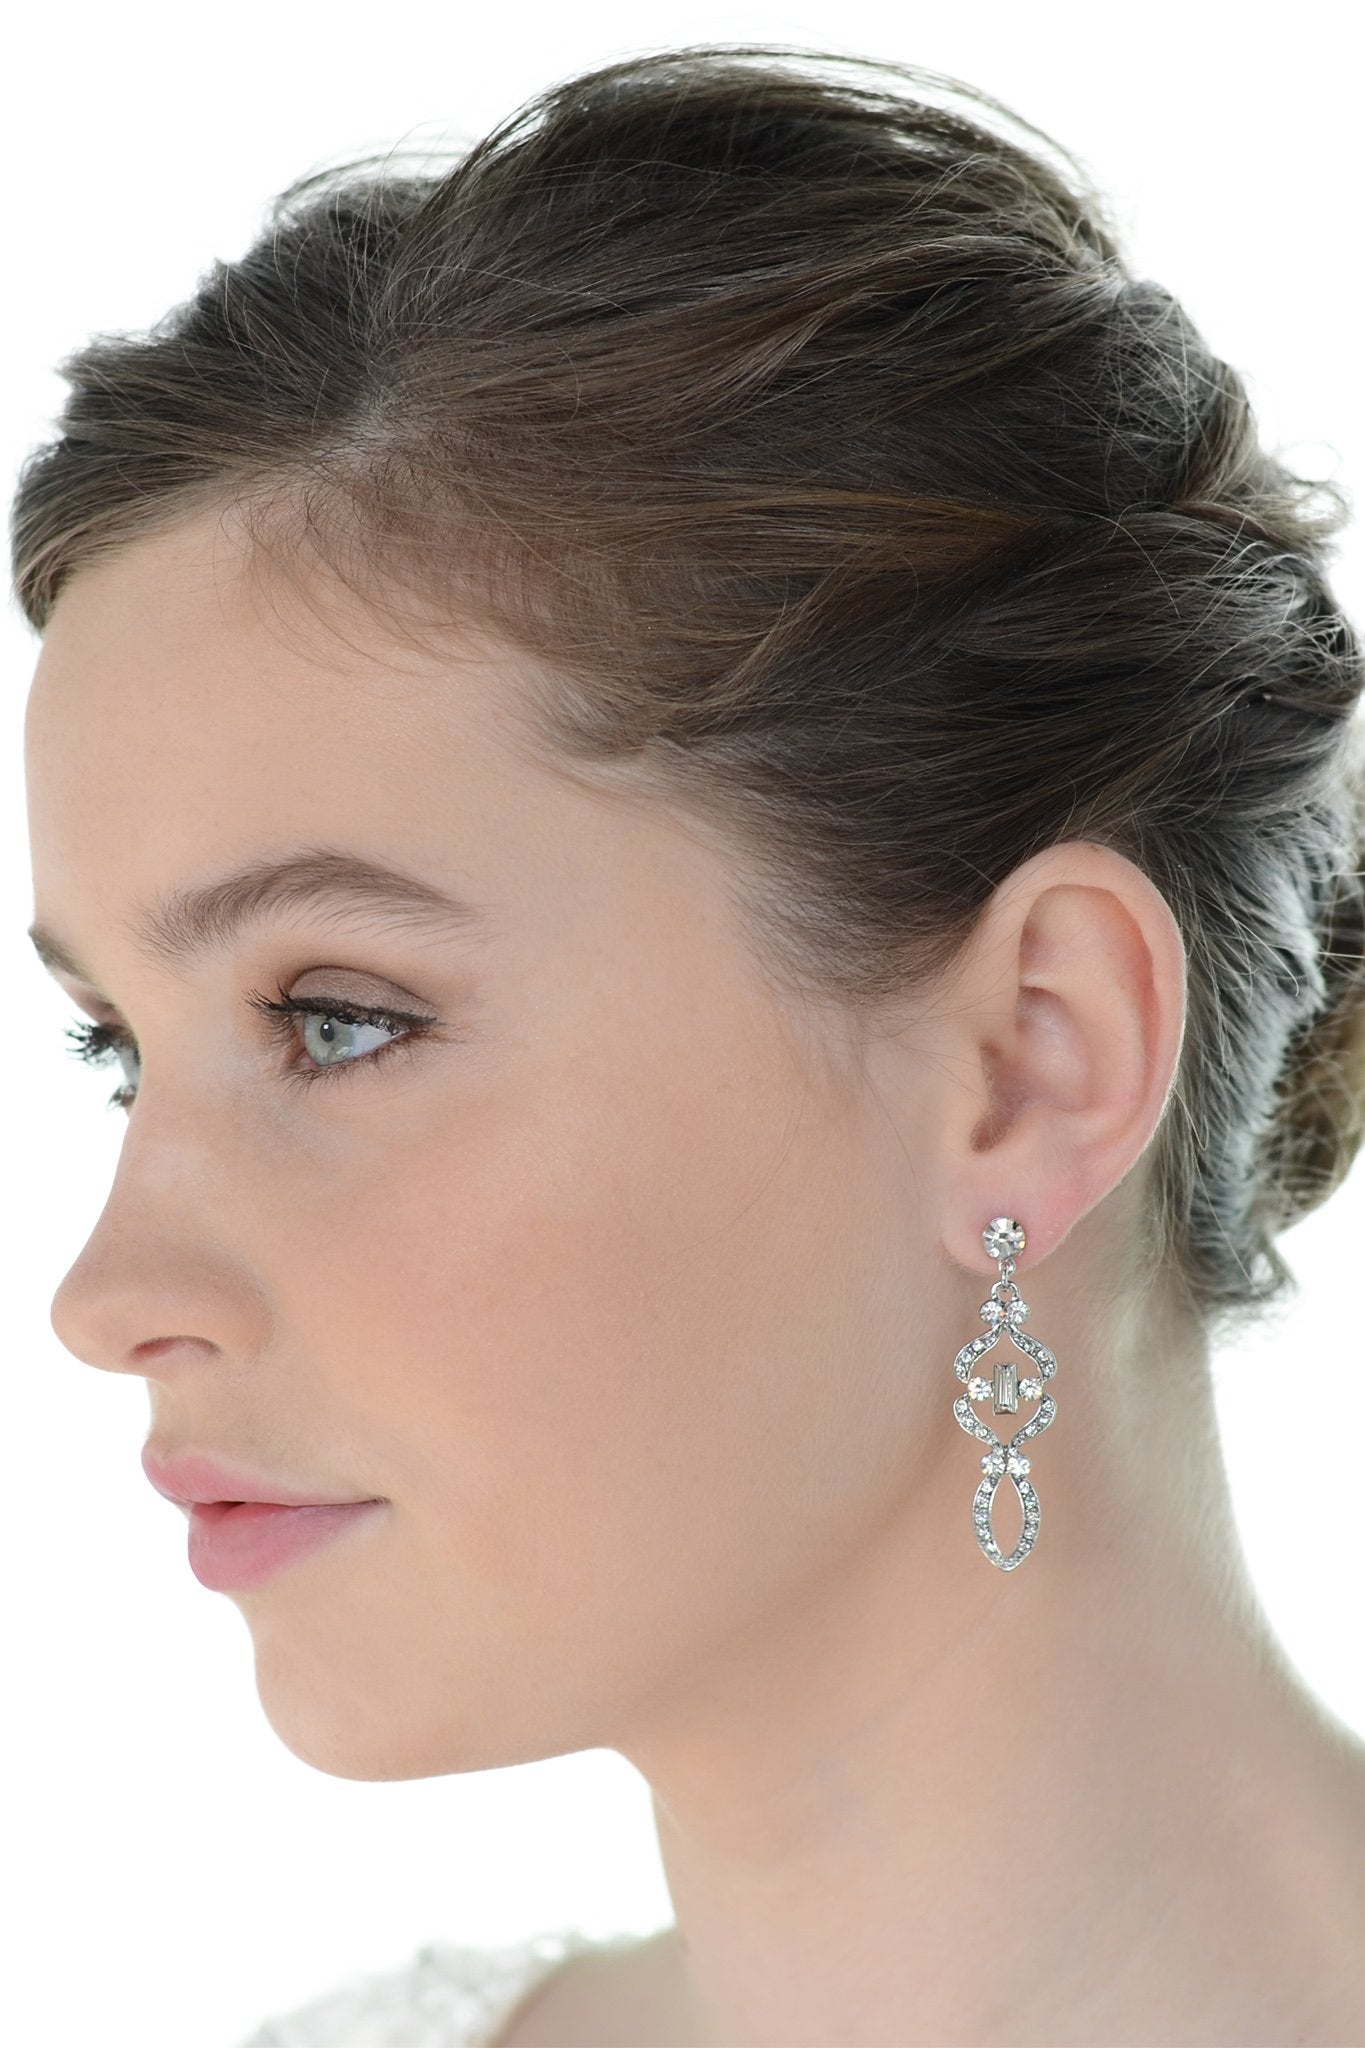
{"x": 845, "y": 489}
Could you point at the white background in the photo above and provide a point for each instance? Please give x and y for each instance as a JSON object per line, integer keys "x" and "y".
{"x": 179, "y": 1873}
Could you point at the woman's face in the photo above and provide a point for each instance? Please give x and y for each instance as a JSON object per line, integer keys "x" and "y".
{"x": 600, "y": 1287}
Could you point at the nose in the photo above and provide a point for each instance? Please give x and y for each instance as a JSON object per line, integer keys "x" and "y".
{"x": 135, "y": 1320}
{"x": 158, "y": 1281}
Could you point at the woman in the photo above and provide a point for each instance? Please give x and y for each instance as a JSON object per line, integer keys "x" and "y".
{"x": 752, "y": 704}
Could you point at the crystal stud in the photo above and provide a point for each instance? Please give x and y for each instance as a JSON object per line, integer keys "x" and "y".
{"x": 1003, "y": 1238}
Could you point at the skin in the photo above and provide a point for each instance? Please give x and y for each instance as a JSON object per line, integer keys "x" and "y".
{"x": 634, "y": 1293}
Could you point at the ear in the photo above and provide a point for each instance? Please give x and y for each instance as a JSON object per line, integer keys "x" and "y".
{"x": 1061, "y": 1032}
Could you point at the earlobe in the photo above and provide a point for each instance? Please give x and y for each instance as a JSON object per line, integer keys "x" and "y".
{"x": 1069, "y": 1016}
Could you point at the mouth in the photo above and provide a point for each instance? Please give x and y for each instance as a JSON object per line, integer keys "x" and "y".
{"x": 193, "y": 1480}
{"x": 237, "y": 1544}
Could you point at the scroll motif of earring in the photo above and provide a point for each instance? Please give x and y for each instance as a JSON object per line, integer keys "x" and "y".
{"x": 1004, "y": 1310}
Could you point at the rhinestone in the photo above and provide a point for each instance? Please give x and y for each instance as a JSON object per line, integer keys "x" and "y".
{"x": 1003, "y": 1238}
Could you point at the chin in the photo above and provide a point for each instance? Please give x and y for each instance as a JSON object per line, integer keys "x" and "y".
{"x": 340, "y": 1724}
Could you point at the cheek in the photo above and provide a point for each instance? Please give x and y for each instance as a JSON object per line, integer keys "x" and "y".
{"x": 590, "y": 1331}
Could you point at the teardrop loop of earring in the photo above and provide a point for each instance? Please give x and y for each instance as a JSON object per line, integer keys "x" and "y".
{"x": 1005, "y": 1310}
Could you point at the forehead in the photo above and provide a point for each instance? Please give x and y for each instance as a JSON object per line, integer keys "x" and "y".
{"x": 193, "y": 711}
{"x": 197, "y": 628}
{"x": 190, "y": 705}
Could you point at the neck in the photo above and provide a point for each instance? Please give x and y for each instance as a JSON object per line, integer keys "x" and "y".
{"x": 1085, "y": 1800}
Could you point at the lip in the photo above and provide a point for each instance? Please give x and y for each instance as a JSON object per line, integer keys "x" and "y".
{"x": 235, "y": 1545}
{"x": 193, "y": 1480}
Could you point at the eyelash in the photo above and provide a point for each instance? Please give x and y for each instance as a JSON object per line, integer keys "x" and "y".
{"x": 100, "y": 1043}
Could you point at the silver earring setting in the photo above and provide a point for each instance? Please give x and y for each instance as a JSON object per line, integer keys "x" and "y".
{"x": 1004, "y": 1310}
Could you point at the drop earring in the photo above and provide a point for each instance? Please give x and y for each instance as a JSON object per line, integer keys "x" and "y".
{"x": 1005, "y": 1309}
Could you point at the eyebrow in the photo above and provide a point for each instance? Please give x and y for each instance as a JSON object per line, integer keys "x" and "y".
{"x": 187, "y": 925}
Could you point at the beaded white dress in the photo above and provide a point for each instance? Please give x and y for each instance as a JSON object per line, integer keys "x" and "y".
{"x": 448, "y": 1996}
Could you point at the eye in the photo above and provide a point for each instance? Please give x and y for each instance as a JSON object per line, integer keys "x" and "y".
{"x": 100, "y": 1043}
{"x": 332, "y": 1047}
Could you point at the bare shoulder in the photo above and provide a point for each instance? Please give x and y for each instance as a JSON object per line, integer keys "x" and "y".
{"x": 617, "y": 1998}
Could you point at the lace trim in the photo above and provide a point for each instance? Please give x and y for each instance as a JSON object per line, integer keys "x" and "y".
{"x": 449, "y": 1995}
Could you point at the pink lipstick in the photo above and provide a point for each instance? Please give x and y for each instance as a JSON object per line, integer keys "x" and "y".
{"x": 235, "y": 1545}
{"x": 242, "y": 1529}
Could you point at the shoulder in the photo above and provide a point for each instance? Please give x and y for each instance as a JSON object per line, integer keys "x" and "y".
{"x": 449, "y": 1995}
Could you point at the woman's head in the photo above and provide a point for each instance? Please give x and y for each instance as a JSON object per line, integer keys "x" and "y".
{"x": 745, "y": 530}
